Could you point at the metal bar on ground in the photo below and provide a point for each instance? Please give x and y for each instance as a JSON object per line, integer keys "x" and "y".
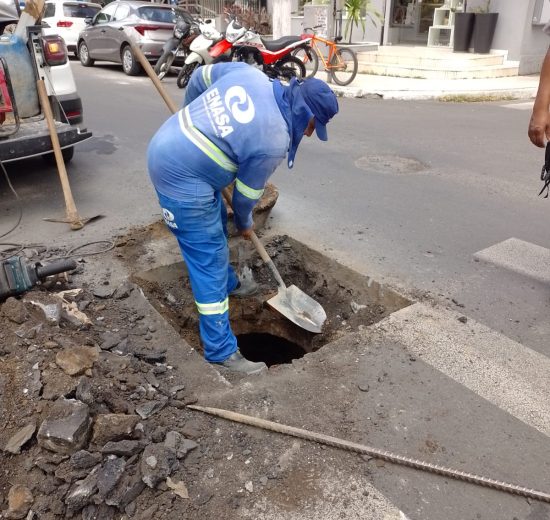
{"x": 374, "y": 452}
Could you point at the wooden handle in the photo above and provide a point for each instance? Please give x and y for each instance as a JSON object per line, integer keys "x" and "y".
{"x": 72, "y": 213}
{"x": 259, "y": 246}
{"x": 154, "y": 78}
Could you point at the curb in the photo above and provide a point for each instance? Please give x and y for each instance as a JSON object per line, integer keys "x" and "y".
{"x": 436, "y": 95}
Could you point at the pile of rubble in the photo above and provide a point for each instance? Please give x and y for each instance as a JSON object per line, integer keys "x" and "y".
{"x": 89, "y": 409}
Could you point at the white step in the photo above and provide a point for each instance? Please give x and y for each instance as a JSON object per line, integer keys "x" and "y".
{"x": 442, "y": 61}
{"x": 489, "y": 71}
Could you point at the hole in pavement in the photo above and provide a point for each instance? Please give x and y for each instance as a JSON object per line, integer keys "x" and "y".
{"x": 350, "y": 300}
{"x": 272, "y": 350}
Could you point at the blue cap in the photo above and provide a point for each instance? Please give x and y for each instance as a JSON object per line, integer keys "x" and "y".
{"x": 322, "y": 102}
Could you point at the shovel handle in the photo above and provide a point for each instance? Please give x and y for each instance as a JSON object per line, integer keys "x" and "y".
{"x": 70, "y": 207}
{"x": 153, "y": 77}
{"x": 259, "y": 247}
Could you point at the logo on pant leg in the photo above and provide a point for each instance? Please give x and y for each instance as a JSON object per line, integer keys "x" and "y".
{"x": 169, "y": 218}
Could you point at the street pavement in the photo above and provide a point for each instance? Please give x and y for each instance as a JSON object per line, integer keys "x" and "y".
{"x": 436, "y": 200}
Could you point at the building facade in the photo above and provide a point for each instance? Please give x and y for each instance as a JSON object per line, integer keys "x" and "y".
{"x": 519, "y": 29}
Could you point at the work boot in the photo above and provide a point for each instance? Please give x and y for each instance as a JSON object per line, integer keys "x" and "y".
{"x": 246, "y": 287}
{"x": 237, "y": 363}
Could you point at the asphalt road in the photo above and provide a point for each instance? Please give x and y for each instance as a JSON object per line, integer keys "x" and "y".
{"x": 405, "y": 192}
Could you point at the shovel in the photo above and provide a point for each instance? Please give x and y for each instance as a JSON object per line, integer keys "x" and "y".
{"x": 291, "y": 302}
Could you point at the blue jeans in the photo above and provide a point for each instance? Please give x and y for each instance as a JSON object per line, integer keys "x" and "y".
{"x": 199, "y": 223}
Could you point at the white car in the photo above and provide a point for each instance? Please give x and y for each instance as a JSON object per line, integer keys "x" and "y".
{"x": 66, "y": 18}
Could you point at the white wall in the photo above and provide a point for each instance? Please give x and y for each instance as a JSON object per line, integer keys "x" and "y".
{"x": 516, "y": 33}
{"x": 281, "y": 18}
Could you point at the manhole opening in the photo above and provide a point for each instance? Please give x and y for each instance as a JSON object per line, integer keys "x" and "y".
{"x": 350, "y": 300}
{"x": 272, "y": 350}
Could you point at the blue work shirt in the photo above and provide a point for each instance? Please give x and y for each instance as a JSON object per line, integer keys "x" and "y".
{"x": 232, "y": 116}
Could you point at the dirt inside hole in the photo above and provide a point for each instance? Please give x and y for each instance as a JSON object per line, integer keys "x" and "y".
{"x": 350, "y": 300}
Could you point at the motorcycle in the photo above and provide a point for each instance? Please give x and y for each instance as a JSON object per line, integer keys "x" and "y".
{"x": 273, "y": 57}
{"x": 208, "y": 47}
{"x": 176, "y": 47}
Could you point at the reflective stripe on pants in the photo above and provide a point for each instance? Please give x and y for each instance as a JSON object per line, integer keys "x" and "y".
{"x": 200, "y": 227}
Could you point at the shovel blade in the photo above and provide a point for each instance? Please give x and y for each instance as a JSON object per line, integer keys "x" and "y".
{"x": 299, "y": 308}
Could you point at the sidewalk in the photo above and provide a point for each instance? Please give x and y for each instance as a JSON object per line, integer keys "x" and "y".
{"x": 391, "y": 87}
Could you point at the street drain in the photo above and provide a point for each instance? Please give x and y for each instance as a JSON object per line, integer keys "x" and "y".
{"x": 390, "y": 164}
{"x": 270, "y": 349}
{"x": 350, "y": 300}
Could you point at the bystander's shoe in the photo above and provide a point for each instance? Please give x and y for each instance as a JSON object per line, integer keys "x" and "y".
{"x": 237, "y": 363}
{"x": 245, "y": 288}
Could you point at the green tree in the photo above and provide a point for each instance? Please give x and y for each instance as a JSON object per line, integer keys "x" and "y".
{"x": 358, "y": 11}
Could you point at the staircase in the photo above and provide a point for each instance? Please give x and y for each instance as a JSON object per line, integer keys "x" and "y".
{"x": 435, "y": 63}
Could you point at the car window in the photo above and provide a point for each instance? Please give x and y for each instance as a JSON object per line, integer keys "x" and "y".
{"x": 80, "y": 10}
{"x": 106, "y": 14}
{"x": 157, "y": 14}
{"x": 122, "y": 12}
{"x": 49, "y": 11}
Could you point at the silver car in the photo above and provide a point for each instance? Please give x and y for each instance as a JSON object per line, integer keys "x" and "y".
{"x": 108, "y": 35}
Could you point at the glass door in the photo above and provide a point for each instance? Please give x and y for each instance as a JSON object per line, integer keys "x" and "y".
{"x": 403, "y": 13}
{"x": 426, "y": 17}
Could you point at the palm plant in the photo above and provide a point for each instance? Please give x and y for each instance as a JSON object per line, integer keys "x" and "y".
{"x": 358, "y": 11}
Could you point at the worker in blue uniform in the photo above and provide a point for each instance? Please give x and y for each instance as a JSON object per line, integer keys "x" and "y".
{"x": 236, "y": 125}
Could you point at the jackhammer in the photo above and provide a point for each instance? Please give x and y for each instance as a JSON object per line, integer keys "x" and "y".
{"x": 18, "y": 276}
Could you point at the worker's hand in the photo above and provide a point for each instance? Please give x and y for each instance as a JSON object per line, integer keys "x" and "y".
{"x": 539, "y": 127}
{"x": 247, "y": 233}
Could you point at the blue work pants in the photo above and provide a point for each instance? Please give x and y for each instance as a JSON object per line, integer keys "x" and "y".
{"x": 200, "y": 226}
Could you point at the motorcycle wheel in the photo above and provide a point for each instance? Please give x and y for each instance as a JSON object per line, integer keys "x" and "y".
{"x": 164, "y": 63}
{"x": 185, "y": 74}
{"x": 290, "y": 67}
{"x": 310, "y": 60}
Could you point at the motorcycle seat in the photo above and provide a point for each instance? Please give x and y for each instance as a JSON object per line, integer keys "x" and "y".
{"x": 281, "y": 43}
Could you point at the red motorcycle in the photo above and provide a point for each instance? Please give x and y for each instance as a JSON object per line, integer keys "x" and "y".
{"x": 273, "y": 57}
{"x": 210, "y": 46}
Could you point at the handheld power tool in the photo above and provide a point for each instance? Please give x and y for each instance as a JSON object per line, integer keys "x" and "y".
{"x": 17, "y": 275}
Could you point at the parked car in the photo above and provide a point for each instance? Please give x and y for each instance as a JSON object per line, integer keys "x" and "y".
{"x": 108, "y": 36}
{"x": 64, "y": 87}
{"x": 23, "y": 128}
{"x": 9, "y": 13}
{"x": 67, "y": 19}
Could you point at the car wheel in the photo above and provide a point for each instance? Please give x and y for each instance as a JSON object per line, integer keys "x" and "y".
{"x": 67, "y": 153}
{"x": 130, "y": 65}
{"x": 84, "y": 55}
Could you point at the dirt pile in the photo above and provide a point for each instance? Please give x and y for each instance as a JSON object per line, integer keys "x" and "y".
{"x": 81, "y": 431}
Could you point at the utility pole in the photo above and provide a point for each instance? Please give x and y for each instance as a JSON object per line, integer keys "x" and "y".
{"x": 281, "y": 18}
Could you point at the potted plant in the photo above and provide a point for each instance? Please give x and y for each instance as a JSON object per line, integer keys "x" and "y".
{"x": 464, "y": 28}
{"x": 484, "y": 28}
{"x": 358, "y": 11}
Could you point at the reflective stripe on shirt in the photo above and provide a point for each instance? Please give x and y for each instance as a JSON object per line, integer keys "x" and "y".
{"x": 200, "y": 141}
{"x": 208, "y": 309}
{"x": 207, "y": 75}
{"x": 247, "y": 191}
